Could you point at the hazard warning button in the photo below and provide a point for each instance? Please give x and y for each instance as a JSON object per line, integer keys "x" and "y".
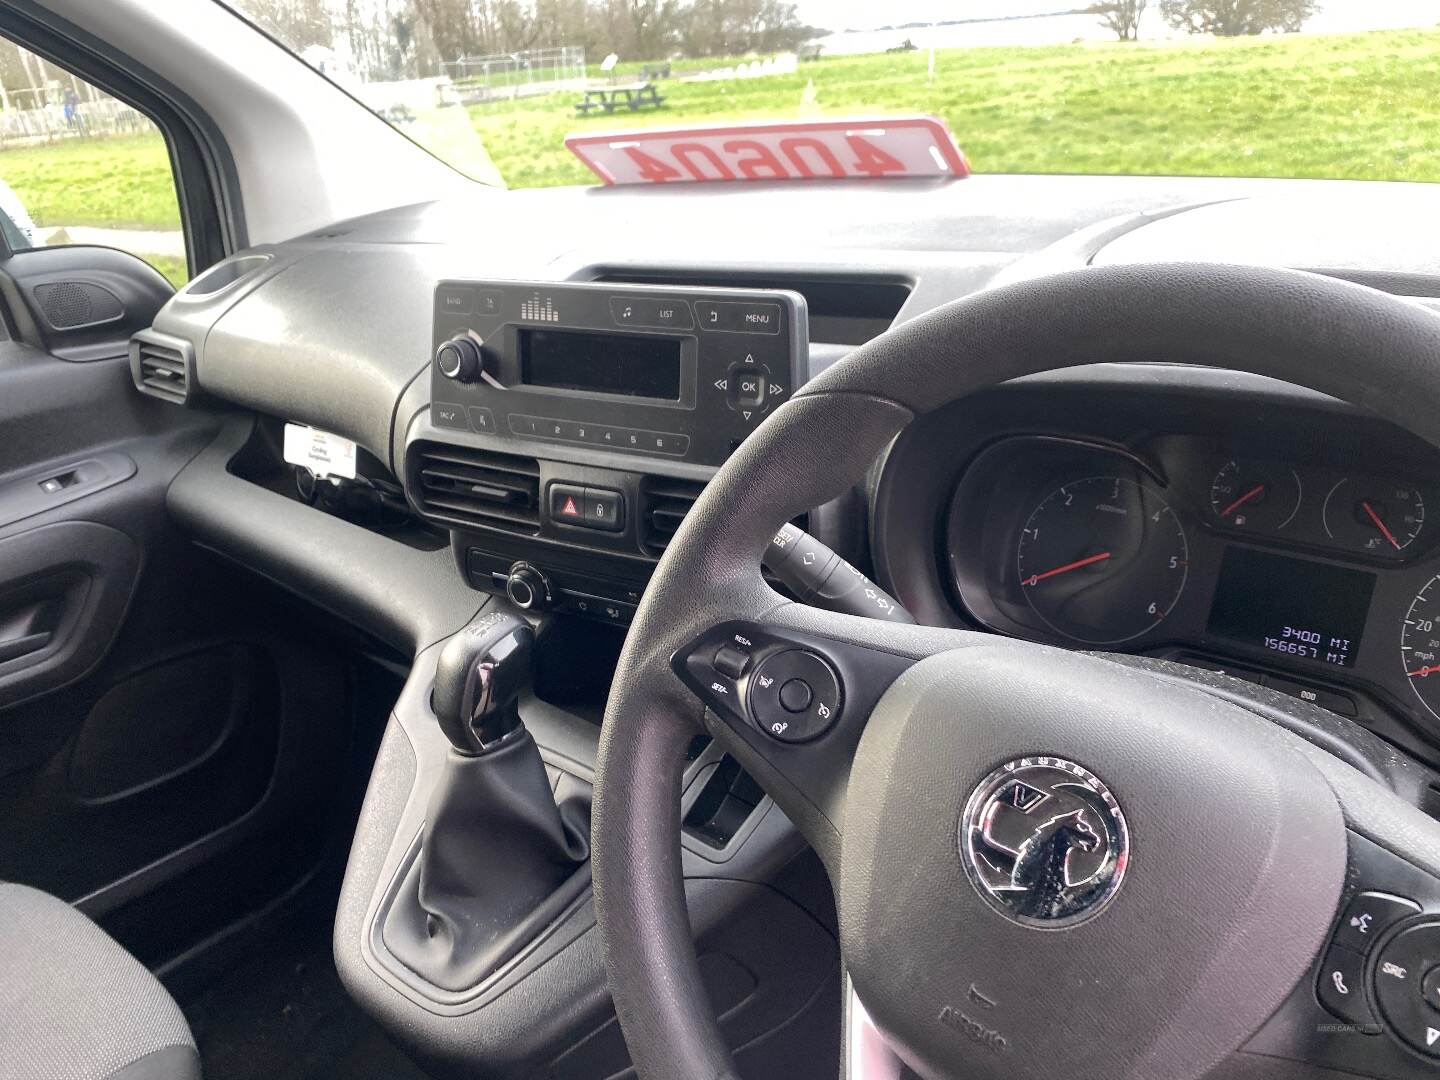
{"x": 587, "y": 507}
{"x": 567, "y": 504}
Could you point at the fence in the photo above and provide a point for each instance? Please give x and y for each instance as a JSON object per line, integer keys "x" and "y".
{"x": 519, "y": 74}
{"x": 43, "y": 123}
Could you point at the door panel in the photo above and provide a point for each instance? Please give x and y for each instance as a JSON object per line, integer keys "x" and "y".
{"x": 63, "y": 590}
{"x": 81, "y": 302}
{"x": 169, "y": 724}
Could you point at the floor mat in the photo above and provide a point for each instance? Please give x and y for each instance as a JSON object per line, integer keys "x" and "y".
{"x": 281, "y": 1013}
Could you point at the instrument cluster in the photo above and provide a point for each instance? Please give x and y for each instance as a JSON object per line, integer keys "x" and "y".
{"x": 1198, "y": 548}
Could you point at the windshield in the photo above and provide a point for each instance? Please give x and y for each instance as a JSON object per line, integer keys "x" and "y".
{"x": 1274, "y": 88}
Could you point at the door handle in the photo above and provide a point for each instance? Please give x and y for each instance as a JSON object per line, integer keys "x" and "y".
{"x": 13, "y": 648}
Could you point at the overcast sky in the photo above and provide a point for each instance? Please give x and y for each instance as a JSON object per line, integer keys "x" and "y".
{"x": 867, "y": 14}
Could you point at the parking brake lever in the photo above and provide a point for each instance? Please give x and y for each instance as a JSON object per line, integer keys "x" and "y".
{"x": 820, "y": 577}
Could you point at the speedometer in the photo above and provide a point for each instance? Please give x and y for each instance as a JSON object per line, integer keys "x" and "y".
{"x": 1420, "y": 645}
{"x": 1102, "y": 560}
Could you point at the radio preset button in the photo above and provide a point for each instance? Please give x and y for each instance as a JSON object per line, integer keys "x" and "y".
{"x": 669, "y": 443}
{"x": 449, "y": 416}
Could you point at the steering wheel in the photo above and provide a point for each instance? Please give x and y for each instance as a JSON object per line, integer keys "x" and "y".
{"x": 1045, "y": 863}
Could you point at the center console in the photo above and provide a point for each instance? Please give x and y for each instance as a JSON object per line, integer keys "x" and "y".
{"x": 571, "y": 426}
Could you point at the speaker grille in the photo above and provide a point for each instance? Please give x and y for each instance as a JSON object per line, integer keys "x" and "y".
{"x": 71, "y": 304}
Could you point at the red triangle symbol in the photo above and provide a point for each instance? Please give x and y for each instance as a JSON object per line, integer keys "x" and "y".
{"x": 570, "y": 509}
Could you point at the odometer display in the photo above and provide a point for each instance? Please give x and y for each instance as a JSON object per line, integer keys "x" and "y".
{"x": 1295, "y": 607}
{"x": 1102, "y": 560}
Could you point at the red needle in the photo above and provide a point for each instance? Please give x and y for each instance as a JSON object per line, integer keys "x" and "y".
{"x": 1242, "y": 500}
{"x": 1424, "y": 671}
{"x": 1033, "y": 578}
{"x": 1381, "y": 526}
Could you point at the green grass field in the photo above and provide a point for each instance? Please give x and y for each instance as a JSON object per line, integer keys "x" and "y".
{"x": 120, "y": 183}
{"x": 1352, "y": 106}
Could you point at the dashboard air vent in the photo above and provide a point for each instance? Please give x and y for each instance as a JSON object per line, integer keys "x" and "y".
{"x": 161, "y": 366}
{"x": 469, "y": 489}
{"x": 664, "y": 502}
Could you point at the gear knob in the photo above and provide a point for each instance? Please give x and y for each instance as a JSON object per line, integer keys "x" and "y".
{"x": 478, "y": 679}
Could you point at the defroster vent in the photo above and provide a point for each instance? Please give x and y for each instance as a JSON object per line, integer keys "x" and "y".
{"x": 476, "y": 489}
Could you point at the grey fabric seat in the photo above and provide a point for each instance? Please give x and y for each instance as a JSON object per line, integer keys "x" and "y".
{"x": 74, "y": 1005}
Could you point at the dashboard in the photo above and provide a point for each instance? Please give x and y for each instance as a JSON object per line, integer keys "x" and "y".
{"x": 1231, "y": 524}
{"x": 1189, "y": 513}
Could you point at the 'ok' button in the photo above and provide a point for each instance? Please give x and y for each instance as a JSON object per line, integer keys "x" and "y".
{"x": 746, "y": 386}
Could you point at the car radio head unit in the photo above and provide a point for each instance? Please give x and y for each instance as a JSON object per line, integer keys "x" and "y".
{"x": 679, "y": 373}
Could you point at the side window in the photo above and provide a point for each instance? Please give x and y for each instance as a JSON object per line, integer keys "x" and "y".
{"x": 80, "y": 167}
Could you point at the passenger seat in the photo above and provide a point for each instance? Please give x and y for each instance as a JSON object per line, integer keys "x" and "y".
{"x": 74, "y": 1005}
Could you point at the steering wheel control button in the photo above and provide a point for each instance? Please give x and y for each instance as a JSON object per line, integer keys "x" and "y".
{"x": 731, "y": 662}
{"x": 796, "y": 695}
{"x": 1430, "y": 989}
{"x": 1369, "y": 915}
{"x": 1044, "y": 842}
{"x": 604, "y": 509}
{"x": 777, "y": 687}
{"x": 1341, "y": 987}
{"x": 1403, "y": 970}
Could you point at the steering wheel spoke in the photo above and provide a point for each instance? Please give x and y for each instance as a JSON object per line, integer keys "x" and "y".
{"x": 789, "y": 696}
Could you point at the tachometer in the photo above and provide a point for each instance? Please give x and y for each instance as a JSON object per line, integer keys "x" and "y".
{"x": 1102, "y": 560}
{"x": 1420, "y": 645}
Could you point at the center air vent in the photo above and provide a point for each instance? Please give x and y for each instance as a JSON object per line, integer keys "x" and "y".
{"x": 161, "y": 366}
{"x": 663, "y": 505}
{"x": 476, "y": 489}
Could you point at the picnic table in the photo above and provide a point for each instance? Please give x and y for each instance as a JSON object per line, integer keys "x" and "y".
{"x": 633, "y": 96}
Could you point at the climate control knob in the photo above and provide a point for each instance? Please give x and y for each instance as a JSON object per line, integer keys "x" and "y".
{"x": 460, "y": 359}
{"x": 527, "y": 587}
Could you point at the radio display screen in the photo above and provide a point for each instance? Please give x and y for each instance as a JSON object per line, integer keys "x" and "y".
{"x": 636, "y": 365}
{"x": 1291, "y": 606}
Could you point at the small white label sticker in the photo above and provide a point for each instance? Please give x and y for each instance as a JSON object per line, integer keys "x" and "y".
{"x": 322, "y": 453}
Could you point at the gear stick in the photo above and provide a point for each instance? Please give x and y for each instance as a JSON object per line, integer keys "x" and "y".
{"x": 498, "y": 859}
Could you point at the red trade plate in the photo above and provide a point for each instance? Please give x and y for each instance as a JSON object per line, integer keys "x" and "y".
{"x": 867, "y": 148}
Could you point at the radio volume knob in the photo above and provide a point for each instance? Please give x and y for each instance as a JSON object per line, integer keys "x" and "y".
{"x": 460, "y": 359}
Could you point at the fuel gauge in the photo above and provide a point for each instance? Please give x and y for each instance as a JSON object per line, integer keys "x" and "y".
{"x": 1378, "y": 517}
{"x": 1256, "y": 496}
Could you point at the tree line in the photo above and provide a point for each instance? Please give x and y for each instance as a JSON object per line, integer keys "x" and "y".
{"x": 392, "y": 39}
{"x": 1223, "y": 18}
